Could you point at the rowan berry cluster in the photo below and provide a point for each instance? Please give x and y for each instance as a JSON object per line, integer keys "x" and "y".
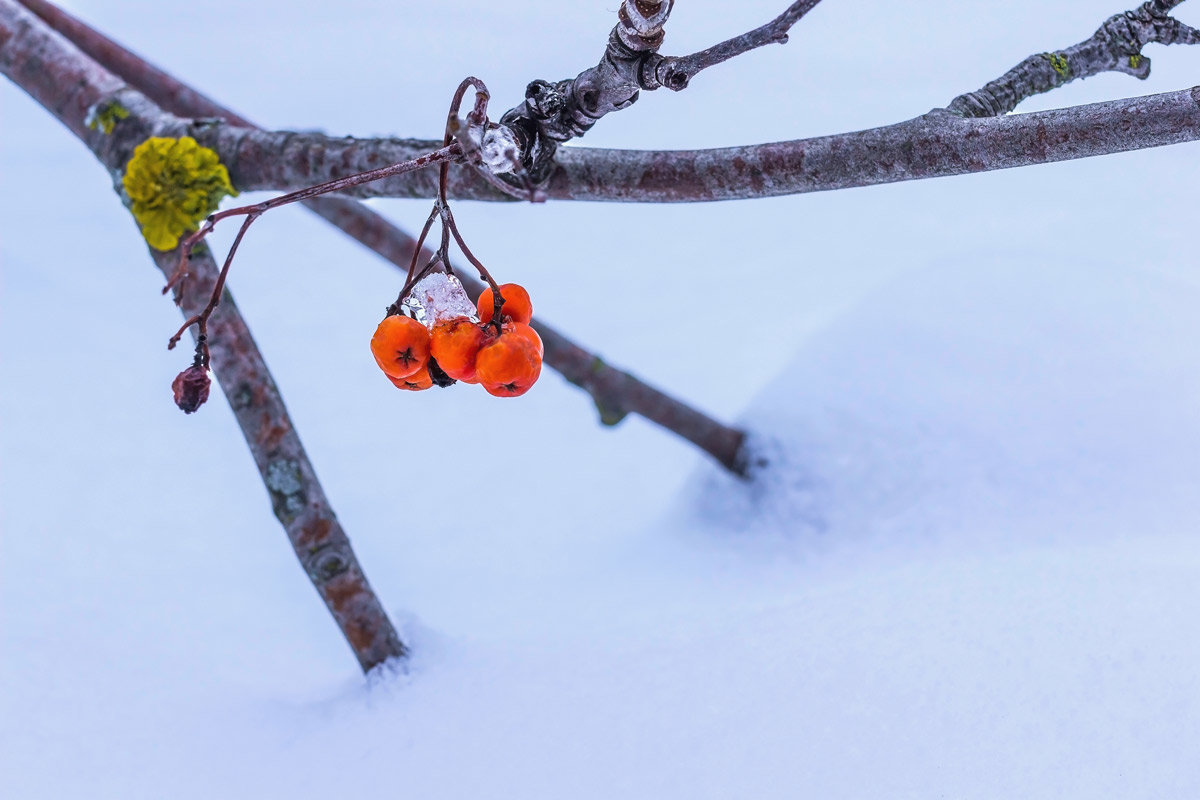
{"x": 504, "y": 356}
{"x": 432, "y": 333}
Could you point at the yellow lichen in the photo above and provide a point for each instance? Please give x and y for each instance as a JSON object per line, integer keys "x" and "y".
{"x": 106, "y": 118}
{"x": 1135, "y": 60}
{"x": 173, "y": 184}
{"x": 1059, "y": 62}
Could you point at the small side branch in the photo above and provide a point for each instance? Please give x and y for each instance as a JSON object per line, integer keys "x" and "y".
{"x": 252, "y": 212}
{"x": 554, "y": 113}
{"x": 1115, "y": 47}
{"x": 676, "y": 72}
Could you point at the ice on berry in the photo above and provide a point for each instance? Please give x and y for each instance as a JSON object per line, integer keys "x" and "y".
{"x": 438, "y": 297}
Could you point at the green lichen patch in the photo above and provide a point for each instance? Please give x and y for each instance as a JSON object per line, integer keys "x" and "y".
{"x": 105, "y": 117}
{"x": 1058, "y": 62}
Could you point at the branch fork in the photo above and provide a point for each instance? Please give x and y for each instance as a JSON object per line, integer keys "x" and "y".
{"x": 554, "y": 113}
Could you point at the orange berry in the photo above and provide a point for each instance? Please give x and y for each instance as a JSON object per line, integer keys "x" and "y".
{"x": 510, "y": 364}
{"x": 455, "y": 343}
{"x": 516, "y": 304}
{"x": 400, "y": 346}
{"x": 525, "y": 331}
{"x": 414, "y": 383}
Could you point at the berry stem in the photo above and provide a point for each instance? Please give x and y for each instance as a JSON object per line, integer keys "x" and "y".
{"x": 201, "y": 357}
{"x": 218, "y": 288}
{"x": 444, "y": 155}
{"x": 413, "y": 276}
{"x": 476, "y": 117}
{"x": 497, "y": 298}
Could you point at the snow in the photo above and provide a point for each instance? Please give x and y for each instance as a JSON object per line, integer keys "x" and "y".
{"x": 969, "y": 571}
{"x": 988, "y": 399}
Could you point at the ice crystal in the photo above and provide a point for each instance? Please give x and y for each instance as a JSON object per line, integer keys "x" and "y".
{"x": 438, "y": 297}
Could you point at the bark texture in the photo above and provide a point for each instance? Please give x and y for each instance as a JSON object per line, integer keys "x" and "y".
{"x": 937, "y": 144}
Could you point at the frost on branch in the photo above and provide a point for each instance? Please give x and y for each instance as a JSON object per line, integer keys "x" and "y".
{"x": 499, "y": 150}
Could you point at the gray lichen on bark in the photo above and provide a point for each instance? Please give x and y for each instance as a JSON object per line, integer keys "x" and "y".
{"x": 1115, "y": 47}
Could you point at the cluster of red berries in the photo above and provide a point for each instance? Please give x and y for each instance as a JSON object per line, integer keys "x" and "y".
{"x": 505, "y": 359}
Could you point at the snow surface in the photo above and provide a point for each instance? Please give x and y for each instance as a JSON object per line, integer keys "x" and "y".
{"x": 971, "y": 570}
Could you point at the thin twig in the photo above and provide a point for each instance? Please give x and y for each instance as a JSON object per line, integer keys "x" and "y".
{"x": 554, "y": 113}
{"x": 218, "y": 288}
{"x": 676, "y": 72}
{"x": 446, "y": 154}
{"x": 476, "y": 123}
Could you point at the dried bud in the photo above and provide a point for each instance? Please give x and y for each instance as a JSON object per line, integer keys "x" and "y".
{"x": 191, "y": 388}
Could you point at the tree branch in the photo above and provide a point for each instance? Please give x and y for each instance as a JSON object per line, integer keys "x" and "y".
{"x": 1115, "y": 47}
{"x": 615, "y": 393}
{"x": 936, "y": 144}
{"x": 943, "y": 142}
{"x": 554, "y": 113}
{"x": 39, "y": 61}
